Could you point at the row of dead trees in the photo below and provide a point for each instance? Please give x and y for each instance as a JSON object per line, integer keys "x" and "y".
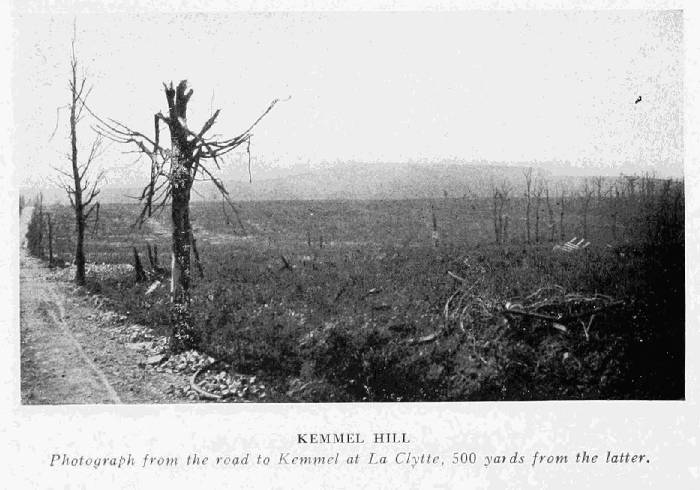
{"x": 42, "y": 227}
{"x": 617, "y": 200}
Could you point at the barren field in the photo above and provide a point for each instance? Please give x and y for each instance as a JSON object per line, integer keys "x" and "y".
{"x": 414, "y": 300}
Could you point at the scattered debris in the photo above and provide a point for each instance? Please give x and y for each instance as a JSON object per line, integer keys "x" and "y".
{"x": 286, "y": 263}
{"x": 572, "y": 246}
{"x": 371, "y": 292}
{"x": 221, "y": 385}
{"x": 157, "y": 359}
{"x": 424, "y": 339}
{"x": 152, "y": 288}
{"x": 188, "y": 362}
{"x": 463, "y": 308}
{"x": 554, "y": 305}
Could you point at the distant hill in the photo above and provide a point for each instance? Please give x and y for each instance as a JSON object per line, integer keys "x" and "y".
{"x": 356, "y": 181}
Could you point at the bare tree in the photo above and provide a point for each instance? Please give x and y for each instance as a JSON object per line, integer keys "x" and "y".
{"x": 191, "y": 155}
{"x": 614, "y": 206}
{"x": 138, "y": 267}
{"x": 49, "y": 224}
{"x": 550, "y": 211}
{"x": 587, "y": 195}
{"x": 80, "y": 189}
{"x": 501, "y": 197}
{"x": 433, "y": 219}
{"x": 96, "y": 223}
{"x": 631, "y": 181}
{"x": 562, "y": 210}
{"x": 539, "y": 190}
{"x": 496, "y": 226}
{"x": 528, "y": 196}
{"x": 598, "y": 182}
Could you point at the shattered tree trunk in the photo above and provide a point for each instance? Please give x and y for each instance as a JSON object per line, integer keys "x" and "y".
{"x": 188, "y": 154}
{"x": 183, "y": 337}
{"x": 138, "y": 267}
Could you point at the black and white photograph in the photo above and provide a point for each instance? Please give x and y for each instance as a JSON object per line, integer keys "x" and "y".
{"x": 350, "y": 207}
{"x": 379, "y": 244}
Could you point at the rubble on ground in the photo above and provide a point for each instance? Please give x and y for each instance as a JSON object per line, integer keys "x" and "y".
{"x": 99, "y": 272}
{"x": 188, "y": 362}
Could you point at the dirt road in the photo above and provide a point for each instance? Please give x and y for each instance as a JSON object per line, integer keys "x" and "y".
{"x": 55, "y": 367}
{"x": 74, "y": 352}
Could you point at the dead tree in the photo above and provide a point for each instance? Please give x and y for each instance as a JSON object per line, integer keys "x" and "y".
{"x": 615, "y": 203}
{"x": 598, "y": 182}
{"x": 496, "y": 226}
{"x": 435, "y": 234}
{"x": 550, "y": 211}
{"x": 501, "y": 197}
{"x": 138, "y": 268}
{"x": 539, "y": 190}
{"x": 97, "y": 219}
{"x": 631, "y": 181}
{"x": 562, "y": 209}
{"x": 528, "y": 196}
{"x": 191, "y": 156}
{"x": 80, "y": 189}
{"x": 587, "y": 195}
{"x": 50, "y": 228}
{"x": 153, "y": 259}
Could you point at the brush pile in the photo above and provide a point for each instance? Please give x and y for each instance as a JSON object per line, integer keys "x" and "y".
{"x": 553, "y": 305}
{"x": 465, "y": 307}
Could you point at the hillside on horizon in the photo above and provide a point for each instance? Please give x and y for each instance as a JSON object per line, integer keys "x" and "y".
{"x": 355, "y": 181}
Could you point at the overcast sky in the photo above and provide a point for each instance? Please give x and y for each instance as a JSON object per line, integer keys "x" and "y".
{"x": 371, "y": 87}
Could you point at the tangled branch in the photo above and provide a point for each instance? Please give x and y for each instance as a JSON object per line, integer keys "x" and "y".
{"x": 199, "y": 150}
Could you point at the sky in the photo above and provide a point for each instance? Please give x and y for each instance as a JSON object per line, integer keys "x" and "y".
{"x": 505, "y": 87}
